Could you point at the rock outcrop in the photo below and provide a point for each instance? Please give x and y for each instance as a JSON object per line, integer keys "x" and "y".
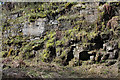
{"x": 65, "y": 33}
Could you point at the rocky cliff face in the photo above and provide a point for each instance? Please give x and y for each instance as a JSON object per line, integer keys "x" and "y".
{"x": 65, "y": 33}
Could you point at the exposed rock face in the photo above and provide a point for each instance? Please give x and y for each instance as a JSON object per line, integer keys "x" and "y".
{"x": 71, "y": 33}
{"x": 36, "y": 28}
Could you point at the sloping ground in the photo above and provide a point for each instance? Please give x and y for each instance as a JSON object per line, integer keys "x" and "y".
{"x": 79, "y": 40}
{"x": 53, "y": 70}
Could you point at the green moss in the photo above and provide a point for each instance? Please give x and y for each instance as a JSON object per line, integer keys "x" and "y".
{"x": 84, "y": 37}
{"x": 58, "y": 60}
{"x": 4, "y": 53}
{"x": 69, "y": 17}
{"x": 61, "y": 42}
{"x": 68, "y": 32}
{"x": 50, "y": 42}
{"x": 52, "y": 34}
{"x": 79, "y": 37}
{"x": 76, "y": 28}
{"x": 74, "y": 62}
{"x": 63, "y": 54}
{"x": 92, "y": 35}
{"x": 42, "y": 15}
{"x": 119, "y": 45}
{"x": 103, "y": 26}
{"x": 67, "y": 4}
{"x": 18, "y": 39}
{"x": 32, "y": 10}
{"x": 48, "y": 45}
{"x": 32, "y": 45}
{"x": 58, "y": 43}
{"x": 79, "y": 22}
{"x": 27, "y": 48}
{"x": 11, "y": 41}
{"x": 83, "y": 6}
{"x": 58, "y": 50}
{"x": 72, "y": 34}
{"x": 45, "y": 38}
{"x": 45, "y": 55}
{"x": 89, "y": 45}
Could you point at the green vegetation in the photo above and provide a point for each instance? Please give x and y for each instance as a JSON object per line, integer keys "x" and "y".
{"x": 79, "y": 31}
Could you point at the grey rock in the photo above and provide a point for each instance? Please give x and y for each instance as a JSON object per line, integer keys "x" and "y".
{"x": 37, "y": 38}
{"x": 80, "y": 53}
{"x": 104, "y": 46}
{"x": 112, "y": 55}
{"x": 115, "y": 45}
{"x": 77, "y": 7}
{"x": 92, "y": 58}
{"x": 116, "y": 53}
{"x": 109, "y": 49}
{"x": 53, "y": 22}
{"x": 36, "y": 28}
{"x": 27, "y": 40}
{"x": 32, "y": 39}
{"x": 105, "y": 56}
{"x": 76, "y": 51}
{"x": 14, "y": 16}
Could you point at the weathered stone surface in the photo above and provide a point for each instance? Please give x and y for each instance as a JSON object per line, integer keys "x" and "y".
{"x": 74, "y": 20}
{"x": 92, "y": 58}
{"x": 115, "y": 45}
{"x": 109, "y": 49}
{"x": 36, "y": 28}
{"x": 105, "y": 56}
{"x": 104, "y": 46}
{"x": 77, "y": 51}
{"x": 110, "y": 62}
{"x": 113, "y": 55}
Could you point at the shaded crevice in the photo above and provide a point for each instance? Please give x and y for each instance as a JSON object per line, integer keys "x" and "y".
{"x": 84, "y": 56}
{"x": 70, "y": 55}
{"x": 52, "y": 52}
